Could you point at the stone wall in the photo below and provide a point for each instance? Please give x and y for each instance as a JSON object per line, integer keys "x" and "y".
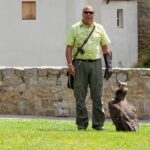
{"x": 43, "y": 91}
{"x": 144, "y": 24}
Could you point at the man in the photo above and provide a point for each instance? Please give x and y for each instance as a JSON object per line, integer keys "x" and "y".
{"x": 87, "y": 67}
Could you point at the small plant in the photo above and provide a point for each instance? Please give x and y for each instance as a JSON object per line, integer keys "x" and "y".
{"x": 147, "y": 63}
{"x": 143, "y": 59}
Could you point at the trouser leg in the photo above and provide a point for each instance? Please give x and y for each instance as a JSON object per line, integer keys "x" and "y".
{"x": 80, "y": 92}
{"x": 96, "y": 87}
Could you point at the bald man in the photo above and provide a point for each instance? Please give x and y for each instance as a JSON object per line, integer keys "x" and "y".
{"x": 87, "y": 67}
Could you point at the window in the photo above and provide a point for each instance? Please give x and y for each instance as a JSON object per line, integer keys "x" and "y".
{"x": 28, "y": 10}
{"x": 120, "y": 18}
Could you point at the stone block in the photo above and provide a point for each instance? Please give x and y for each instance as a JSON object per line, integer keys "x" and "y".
{"x": 50, "y": 112}
{"x": 42, "y": 72}
{"x": 30, "y": 72}
{"x": 147, "y": 107}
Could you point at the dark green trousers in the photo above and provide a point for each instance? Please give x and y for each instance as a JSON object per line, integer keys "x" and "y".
{"x": 89, "y": 74}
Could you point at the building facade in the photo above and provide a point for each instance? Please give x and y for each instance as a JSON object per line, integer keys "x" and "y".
{"x": 32, "y": 32}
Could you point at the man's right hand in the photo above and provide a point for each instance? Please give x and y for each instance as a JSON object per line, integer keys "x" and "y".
{"x": 71, "y": 69}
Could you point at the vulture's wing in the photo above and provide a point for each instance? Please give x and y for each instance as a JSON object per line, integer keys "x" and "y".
{"x": 123, "y": 118}
{"x": 130, "y": 116}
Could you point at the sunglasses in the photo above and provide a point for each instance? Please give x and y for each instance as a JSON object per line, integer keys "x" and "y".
{"x": 88, "y": 12}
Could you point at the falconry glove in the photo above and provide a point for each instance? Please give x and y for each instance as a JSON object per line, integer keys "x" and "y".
{"x": 108, "y": 64}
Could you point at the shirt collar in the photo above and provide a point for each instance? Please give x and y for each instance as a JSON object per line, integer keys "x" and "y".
{"x": 82, "y": 24}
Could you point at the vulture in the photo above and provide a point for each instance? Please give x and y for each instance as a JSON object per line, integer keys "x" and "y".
{"x": 122, "y": 113}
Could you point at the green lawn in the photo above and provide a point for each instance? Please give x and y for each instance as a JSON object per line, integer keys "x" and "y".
{"x": 32, "y": 134}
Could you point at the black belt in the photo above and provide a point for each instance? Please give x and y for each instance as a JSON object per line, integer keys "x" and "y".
{"x": 88, "y": 60}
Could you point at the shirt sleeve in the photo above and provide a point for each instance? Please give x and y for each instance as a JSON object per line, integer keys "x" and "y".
{"x": 70, "y": 37}
{"x": 105, "y": 39}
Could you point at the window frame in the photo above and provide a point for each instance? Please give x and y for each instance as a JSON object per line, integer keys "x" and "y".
{"x": 120, "y": 23}
{"x": 28, "y": 10}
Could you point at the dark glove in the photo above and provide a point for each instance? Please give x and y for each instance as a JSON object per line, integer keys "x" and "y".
{"x": 108, "y": 64}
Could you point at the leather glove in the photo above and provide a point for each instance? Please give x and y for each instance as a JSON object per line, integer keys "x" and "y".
{"x": 108, "y": 64}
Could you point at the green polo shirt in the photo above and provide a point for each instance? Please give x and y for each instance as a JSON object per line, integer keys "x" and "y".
{"x": 79, "y": 32}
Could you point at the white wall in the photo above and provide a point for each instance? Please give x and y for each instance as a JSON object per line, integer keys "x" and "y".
{"x": 123, "y": 40}
{"x": 40, "y": 42}
{"x": 32, "y": 42}
{"x": 74, "y": 11}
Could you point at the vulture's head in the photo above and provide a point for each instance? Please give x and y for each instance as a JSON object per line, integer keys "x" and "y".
{"x": 122, "y": 85}
{"x": 121, "y": 91}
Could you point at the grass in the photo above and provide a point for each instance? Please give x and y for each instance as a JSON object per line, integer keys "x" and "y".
{"x": 31, "y": 134}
